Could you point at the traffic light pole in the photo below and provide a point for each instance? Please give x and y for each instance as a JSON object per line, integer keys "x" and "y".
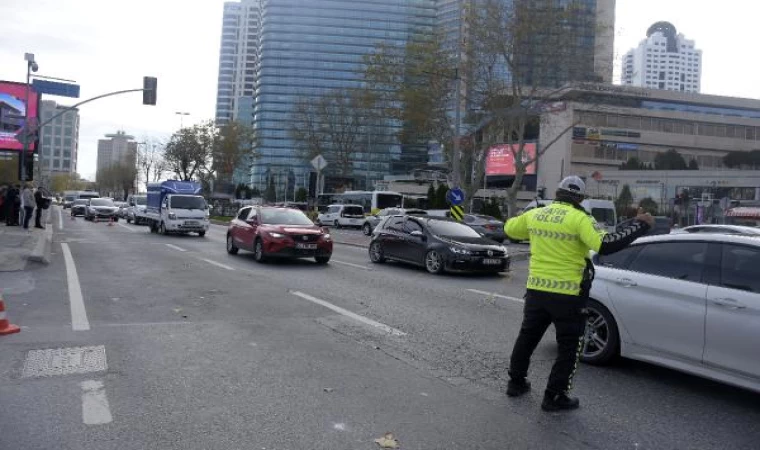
{"x": 70, "y": 108}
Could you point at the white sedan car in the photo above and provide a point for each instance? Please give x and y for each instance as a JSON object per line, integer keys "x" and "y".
{"x": 690, "y": 302}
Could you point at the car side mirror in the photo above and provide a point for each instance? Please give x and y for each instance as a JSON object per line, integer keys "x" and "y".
{"x": 252, "y": 221}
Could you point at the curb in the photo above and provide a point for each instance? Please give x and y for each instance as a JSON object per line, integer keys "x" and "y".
{"x": 219, "y": 222}
{"x": 43, "y": 248}
{"x": 352, "y": 244}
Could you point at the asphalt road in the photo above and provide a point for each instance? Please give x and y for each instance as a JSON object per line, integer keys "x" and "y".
{"x": 207, "y": 350}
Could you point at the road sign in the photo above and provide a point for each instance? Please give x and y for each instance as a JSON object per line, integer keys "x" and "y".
{"x": 455, "y": 196}
{"x": 319, "y": 162}
{"x": 56, "y": 88}
{"x": 457, "y": 212}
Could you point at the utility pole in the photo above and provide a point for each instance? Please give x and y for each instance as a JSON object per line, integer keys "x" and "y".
{"x": 31, "y": 66}
{"x": 457, "y": 101}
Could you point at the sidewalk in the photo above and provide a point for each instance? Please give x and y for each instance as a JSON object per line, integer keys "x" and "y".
{"x": 17, "y": 246}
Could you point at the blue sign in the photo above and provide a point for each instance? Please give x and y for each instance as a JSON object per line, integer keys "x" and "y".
{"x": 455, "y": 196}
{"x": 56, "y": 88}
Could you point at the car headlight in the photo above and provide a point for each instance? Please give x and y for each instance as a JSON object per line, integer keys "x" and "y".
{"x": 504, "y": 249}
{"x": 277, "y": 235}
{"x": 460, "y": 251}
{"x": 326, "y": 236}
{"x": 172, "y": 216}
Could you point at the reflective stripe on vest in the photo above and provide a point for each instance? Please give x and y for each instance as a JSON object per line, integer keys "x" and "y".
{"x": 538, "y": 283}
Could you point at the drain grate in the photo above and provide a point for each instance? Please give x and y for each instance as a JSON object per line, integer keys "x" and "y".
{"x": 64, "y": 361}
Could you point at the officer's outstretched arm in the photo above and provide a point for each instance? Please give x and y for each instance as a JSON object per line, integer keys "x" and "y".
{"x": 516, "y": 228}
{"x": 608, "y": 243}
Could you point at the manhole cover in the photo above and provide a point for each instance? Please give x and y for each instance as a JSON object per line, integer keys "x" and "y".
{"x": 64, "y": 361}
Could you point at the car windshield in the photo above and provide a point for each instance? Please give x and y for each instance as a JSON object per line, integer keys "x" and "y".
{"x": 604, "y": 216}
{"x": 389, "y": 201}
{"x": 353, "y": 211}
{"x": 69, "y": 198}
{"x": 101, "y": 202}
{"x": 188, "y": 202}
{"x": 284, "y": 217}
{"x": 451, "y": 229}
{"x": 140, "y": 200}
{"x": 79, "y": 202}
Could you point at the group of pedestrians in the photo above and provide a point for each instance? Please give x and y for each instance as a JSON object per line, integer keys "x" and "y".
{"x": 17, "y": 205}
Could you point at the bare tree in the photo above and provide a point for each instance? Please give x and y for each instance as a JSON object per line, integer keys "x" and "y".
{"x": 234, "y": 146}
{"x": 521, "y": 56}
{"x": 150, "y": 159}
{"x": 189, "y": 151}
{"x": 332, "y": 126}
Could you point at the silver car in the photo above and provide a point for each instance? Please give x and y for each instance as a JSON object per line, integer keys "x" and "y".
{"x": 371, "y": 222}
{"x": 488, "y": 226}
{"x": 690, "y": 302}
{"x": 724, "y": 229}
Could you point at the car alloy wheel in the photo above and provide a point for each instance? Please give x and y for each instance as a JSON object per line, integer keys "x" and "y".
{"x": 376, "y": 253}
{"x": 600, "y": 339}
{"x": 231, "y": 248}
{"x": 367, "y": 229}
{"x": 258, "y": 251}
{"x": 434, "y": 262}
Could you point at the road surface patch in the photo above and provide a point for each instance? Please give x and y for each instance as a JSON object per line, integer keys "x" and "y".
{"x": 347, "y": 313}
{"x": 179, "y": 249}
{"x": 492, "y": 294}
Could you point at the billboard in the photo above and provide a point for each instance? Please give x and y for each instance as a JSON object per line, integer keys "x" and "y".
{"x": 12, "y": 112}
{"x": 501, "y": 162}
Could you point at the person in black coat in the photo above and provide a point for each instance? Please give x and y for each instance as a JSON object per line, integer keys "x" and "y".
{"x": 12, "y": 206}
{"x": 39, "y": 199}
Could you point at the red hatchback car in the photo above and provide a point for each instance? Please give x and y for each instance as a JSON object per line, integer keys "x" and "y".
{"x": 278, "y": 232}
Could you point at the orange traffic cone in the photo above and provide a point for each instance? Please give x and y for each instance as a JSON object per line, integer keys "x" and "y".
{"x": 6, "y": 327}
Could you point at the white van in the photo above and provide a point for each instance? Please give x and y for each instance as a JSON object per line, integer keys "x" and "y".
{"x": 342, "y": 216}
{"x": 602, "y": 210}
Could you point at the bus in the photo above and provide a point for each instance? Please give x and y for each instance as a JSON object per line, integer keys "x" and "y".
{"x": 370, "y": 201}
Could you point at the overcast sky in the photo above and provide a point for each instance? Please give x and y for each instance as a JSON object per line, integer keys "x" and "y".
{"x": 108, "y": 45}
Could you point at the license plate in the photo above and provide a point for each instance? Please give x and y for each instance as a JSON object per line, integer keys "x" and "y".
{"x": 306, "y": 246}
{"x": 492, "y": 262}
{"x": 191, "y": 222}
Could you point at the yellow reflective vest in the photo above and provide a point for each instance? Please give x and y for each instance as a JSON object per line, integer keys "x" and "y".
{"x": 560, "y": 239}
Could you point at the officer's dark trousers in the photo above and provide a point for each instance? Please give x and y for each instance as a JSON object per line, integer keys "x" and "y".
{"x": 568, "y": 314}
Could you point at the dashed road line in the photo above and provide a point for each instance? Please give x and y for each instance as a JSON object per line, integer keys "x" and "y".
{"x": 79, "y": 321}
{"x": 347, "y": 313}
{"x": 60, "y": 219}
{"x": 179, "y": 249}
{"x": 492, "y": 294}
{"x": 95, "y": 407}
{"x": 358, "y": 266}
{"x": 126, "y": 227}
{"x": 223, "y": 266}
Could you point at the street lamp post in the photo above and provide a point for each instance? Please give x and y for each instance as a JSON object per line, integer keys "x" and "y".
{"x": 31, "y": 66}
{"x": 181, "y": 114}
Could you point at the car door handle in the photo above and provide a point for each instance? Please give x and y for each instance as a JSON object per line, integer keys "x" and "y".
{"x": 728, "y": 303}
{"x": 625, "y": 282}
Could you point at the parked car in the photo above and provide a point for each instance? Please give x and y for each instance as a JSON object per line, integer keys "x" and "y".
{"x": 687, "y": 301}
{"x": 662, "y": 225}
{"x": 136, "y": 211}
{"x": 723, "y": 229}
{"x": 341, "y": 216}
{"x": 101, "y": 208}
{"x": 278, "y": 232}
{"x": 78, "y": 207}
{"x": 488, "y": 226}
{"x": 437, "y": 244}
{"x": 371, "y": 222}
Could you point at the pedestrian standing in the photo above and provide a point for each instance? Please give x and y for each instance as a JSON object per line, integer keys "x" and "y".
{"x": 12, "y": 206}
{"x": 28, "y": 204}
{"x": 559, "y": 281}
{"x": 39, "y": 200}
{"x": 3, "y": 193}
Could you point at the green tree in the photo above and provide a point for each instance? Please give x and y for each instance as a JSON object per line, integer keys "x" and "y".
{"x": 440, "y": 197}
{"x": 431, "y": 198}
{"x": 633, "y": 163}
{"x": 302, "y": 195}
{"x": 255, "y": 192}
{"x": 234, "y": 148}
{"x": 670, "y": 160}
{"x": 649, "y": 205}
{"x": 742, "y": 160}
{"x": 624, "y": 200}
{"x": 189, "y": 151}
{"x": 693, "y": 165}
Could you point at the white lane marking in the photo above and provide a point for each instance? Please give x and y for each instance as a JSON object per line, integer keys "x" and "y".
{"x": 179, "y": 249}
{"x": 95, "y": 408}
{"x": 126, "y": 227}
{"x": 60, "y": 219}
{"x": 223, "y": 266}
{"x": 79, "y": 320}
{"x": 347, "y": 313}
{"x": 492, "y": 294}
{"x": 358, "y": 266}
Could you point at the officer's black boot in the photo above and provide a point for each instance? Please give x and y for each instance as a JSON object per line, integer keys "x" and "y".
{"x": 517, "y": 387}
{"x": 559, "y": 402}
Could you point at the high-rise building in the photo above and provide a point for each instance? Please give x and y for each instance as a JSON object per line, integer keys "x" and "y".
{"x": 59, "y": 140}
{"x": 664, "y": 60}
{"x": 237, "y": 57}
{"x": 118, "y": 148}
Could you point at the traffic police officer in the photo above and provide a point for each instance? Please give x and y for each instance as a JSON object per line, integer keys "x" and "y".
{"x": 561, "y": 235}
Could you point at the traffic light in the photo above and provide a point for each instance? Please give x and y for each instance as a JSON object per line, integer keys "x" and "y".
{"x": 149, "y": 90}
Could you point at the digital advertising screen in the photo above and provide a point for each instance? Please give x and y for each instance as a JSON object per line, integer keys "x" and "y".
{"x": 12, "y": 112}
{"x": 500, "y": 160}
